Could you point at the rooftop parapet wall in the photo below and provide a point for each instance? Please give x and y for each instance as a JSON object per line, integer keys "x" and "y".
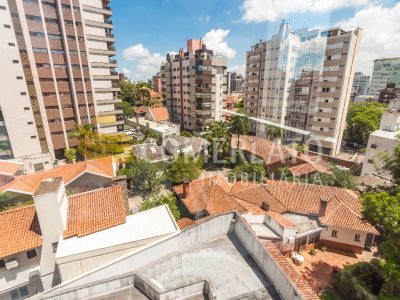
{"x": 267, "y": 262}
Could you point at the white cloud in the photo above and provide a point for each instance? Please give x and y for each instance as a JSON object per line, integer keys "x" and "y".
{"x": 147, "y": 63}
{"x": 271, "y": 10}
{"x": 204, "y": 19}
{"x": 238, "y": 69}
{"x": 126, "y": 71}
{"x": 381, "y": 34}
{"x": 215, "y": 40}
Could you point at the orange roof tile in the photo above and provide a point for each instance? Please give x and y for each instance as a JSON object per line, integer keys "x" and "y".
{"x": 95, "y": 211}
{"x": 343, "y": 209}
{"x": 27, "y": 184}
{"x": 155, "y": 95}
{"x": 185, "y": 222}
{"x": 309, "y": 167}
{"x": 20, "y": 231}
{"x": 304, "y": 288}
{"x": 9, "y": 168}
{"x": 159, "y": 114}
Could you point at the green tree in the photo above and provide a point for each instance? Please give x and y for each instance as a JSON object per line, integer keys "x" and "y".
{"x": 273, "y": 132}
{"x": 85, "y": 134}
{"x": 239, "y": 125}
{"x": 168, "y": 199}
{"x": 144, "y": 174}
{"x": 186, "y": 134}
{"x": 392, "y": 162}
{"x": 338, "y": 177}
{"x": 247, "y": 171}
{"x": 362, "y": 119}
{"x": 183, "y": 168}
{"x": 143, "y": 95}
{"x": 128, "y": 92}
{"x": 70, "y": 155}
{"x": 4, "y": 198}
{"x": 219, "y": 134}
{"x": 153, "y": 135}
{"x": 127, "y": 109}
{"x": 302, "y": 148}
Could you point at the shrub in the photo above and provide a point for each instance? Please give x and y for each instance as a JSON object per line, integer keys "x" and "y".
{"x": 312, "y": 251}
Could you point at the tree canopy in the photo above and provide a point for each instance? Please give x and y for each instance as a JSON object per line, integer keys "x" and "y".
{"x": 183, "y": 168}
{"x": 168, "y": 199}
{"x": 219, "y": 135}
{"x": 239, "y": 125}
{"x": 362, "y": 119}
{"x": 70, "y": 155}
{"x": 247, "y": 171}
{"x": 273, "y": 132}
{"x": 338, "y": 177}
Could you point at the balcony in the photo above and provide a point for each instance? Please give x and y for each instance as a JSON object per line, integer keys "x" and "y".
{"x": 110, "y": 51}
{"x": 108, "y": 101}
{"x": 116, "y": 123}
{"x": 104, "y": 64}
{"x": 110, "y": 112}
{"x": 107, "y": 38}
{"x": 105, "y": 24}
{"x": 107, "y": 90}
{"x": 105, "y": 10}
{"x": 105, "y": 77}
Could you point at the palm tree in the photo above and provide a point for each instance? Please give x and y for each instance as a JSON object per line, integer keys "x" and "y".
{"x": 273, "y": 133}
{"x": 85, "y": 135}
{"x": 239, "y": 125}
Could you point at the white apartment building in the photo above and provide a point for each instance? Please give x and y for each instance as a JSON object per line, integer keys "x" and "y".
{"x": 386, "y": 70}
{"x": 56, "y": 73}
{"x": 302, "y": 79}
{"x": 194, "y": 82}
{"x": 382, "y": 141}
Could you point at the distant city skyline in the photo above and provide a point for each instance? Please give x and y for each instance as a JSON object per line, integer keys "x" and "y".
{"x": 148, "y": 31}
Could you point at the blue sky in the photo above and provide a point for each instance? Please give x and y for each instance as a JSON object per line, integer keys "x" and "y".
{"x": 147, "y": 30}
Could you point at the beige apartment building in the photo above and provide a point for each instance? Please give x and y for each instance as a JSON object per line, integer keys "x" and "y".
{"x": 386, "y": 70}
{"x": 303, "y": 79}
{"x": 194, "y": 83}
{"x": 57, "y": 72}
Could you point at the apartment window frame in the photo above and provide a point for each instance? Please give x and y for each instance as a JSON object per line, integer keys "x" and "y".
{"x": 357, "y": 237}
{"x": 334, "y": 233}
{"x": 19, "y": 293}
{"x": 31, "y": 254}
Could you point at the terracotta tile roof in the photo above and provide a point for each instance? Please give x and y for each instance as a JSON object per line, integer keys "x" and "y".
{"x": 20, "y": 231}
{"x": 27, "y": 184}
{"x": 264, "y": 149}
{"x": 95, "y": 211}
{"x": 9, "y": 168}
{"x": 159, "y": 114}
{"x": 155, "y": 95}
{"x": 310, "y": 166}
{"x": 343, "y": 209}
{"x": 210, "y": 194}
{"x": 185, "y": 222}
{"x": 303, "y": 287}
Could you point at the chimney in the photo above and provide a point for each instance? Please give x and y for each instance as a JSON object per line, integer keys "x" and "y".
{"x": 185, "y": 188}
{"x": 265, "y": 206}
{"x": 51, "y": 205}
{"x": 322, "y": 207}
{"x": 122, "y": 181}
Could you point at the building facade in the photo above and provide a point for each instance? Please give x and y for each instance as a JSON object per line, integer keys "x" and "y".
{"x": 309, "y": 71}
{"x": 390, "y": 92}
{"x": 386, "y": 70}
{"x": 235, "y": 82}
{"x": 156, "y": 83}
{"x": 194, "y": 84}
{"x": 360, "y": 83}
{"x": 57, "y": 73}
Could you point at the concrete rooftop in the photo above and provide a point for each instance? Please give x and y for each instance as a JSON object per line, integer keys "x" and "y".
{"x": 223, "y": 262}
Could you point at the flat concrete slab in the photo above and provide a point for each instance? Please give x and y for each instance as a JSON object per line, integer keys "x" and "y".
{"x": 224, "y": 263}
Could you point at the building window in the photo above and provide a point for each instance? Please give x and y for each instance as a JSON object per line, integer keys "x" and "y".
{"x": 7, "y": 26}
{"x": 23, "y": 93}
{"x": 2, "y": 7}
{"x": 19, "y": 77}
{"x": 31, "y": 254}
{"x": 55, "y": 247}
{"x": 357, "y": 238}
{"x": 11, "y": 44}
{"x": 334, "y": 233}
{"x": 30, "y": 123}
{"x": 19, "y": 293}
{"x": 2, "y": 263}
{"x": 26, "y": 108}
{"x": 15, "y": 61}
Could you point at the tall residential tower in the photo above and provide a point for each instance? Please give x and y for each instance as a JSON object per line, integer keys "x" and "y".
{"x": 303, "y": 79}
{"x": 194, "y": 83}
{"x": 386, "y": 70}
{"x": 57, "y": 72}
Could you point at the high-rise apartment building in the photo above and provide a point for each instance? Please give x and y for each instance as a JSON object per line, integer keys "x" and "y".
{"x": 360, "y": 83}
{"x": 194, "y": 83}
{"x": 57, "y": 72}
{"x": 303, "y": 79}
{"x": 235, "y": 82}
{"x": 386, "y": 70}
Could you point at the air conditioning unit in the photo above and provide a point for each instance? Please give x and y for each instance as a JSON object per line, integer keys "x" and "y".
{"x": 11, "y": 264}
{"x": 34, "y": 272}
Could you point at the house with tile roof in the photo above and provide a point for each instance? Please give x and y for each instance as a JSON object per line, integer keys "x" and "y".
{"x": 9, "y": 169}
{"x": 61, "y": 237}
{"x": 80, "y": 176}
{"x": 297, "y": 215}
{"x": 274, "y": 155}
